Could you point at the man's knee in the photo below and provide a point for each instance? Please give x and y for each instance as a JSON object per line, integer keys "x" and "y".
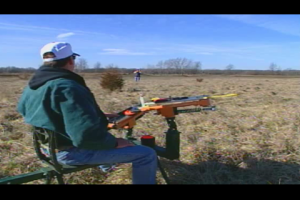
{"x": 148, "y": 151}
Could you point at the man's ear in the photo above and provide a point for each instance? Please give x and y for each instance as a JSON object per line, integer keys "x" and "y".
{"x": 71, "y": 61}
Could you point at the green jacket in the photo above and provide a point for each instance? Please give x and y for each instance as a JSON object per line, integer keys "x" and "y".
{"x": 67, "y": 107}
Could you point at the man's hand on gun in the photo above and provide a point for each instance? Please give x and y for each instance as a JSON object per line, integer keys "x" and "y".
{"x": 121, "y": 142}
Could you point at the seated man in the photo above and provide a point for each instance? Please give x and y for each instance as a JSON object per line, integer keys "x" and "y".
{"x": 58, "y": 99}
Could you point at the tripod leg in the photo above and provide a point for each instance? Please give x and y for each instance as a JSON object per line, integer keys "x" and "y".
{"x": 163, "y": 172}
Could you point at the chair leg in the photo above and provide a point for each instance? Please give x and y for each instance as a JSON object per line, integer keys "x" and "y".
{"x": 48, "y": 178}
{"x": 163, "y": 173}
{"x": 59, "y": 178}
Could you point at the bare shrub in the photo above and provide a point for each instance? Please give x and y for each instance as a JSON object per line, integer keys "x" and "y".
{"x": 112, "y": 80}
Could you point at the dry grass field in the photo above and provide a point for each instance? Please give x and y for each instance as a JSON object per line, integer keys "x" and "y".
{"x": 252, "y": 138}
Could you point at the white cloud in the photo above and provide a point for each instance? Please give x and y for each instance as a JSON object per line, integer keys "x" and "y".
{"x": 19, "y": 27}
{"x": 38, "y": 29}
{"x": 64, "y": 35}
{"x": 243, "y": 57}
{"x": 204, "y": 53}
{"x": 122, "y": 52}
{"x": 279, "y": 23}
{"x": 199, "y": 49}
{"x": 221, "y": 48}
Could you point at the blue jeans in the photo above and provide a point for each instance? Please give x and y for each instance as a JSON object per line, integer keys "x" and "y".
{"x": 143, "y": 159}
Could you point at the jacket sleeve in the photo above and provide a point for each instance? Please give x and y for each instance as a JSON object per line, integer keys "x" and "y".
{"x": 82, "y": 123}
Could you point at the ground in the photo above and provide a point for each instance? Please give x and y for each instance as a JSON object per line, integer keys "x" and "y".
{"x": 252, "y": 138}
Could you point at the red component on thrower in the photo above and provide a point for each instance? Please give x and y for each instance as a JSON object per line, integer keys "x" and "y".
{"x": 128, "y": 112}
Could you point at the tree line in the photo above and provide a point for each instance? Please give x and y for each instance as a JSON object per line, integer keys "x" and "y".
{"x": 171, "y": 66}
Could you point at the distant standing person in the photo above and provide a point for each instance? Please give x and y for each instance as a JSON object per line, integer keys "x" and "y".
{"x": 137, "y": 75}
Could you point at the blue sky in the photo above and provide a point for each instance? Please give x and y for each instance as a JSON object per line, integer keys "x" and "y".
{"x": 134, "y": 41}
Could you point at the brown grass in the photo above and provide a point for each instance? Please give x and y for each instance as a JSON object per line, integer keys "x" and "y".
{"x": 250, "y": 139}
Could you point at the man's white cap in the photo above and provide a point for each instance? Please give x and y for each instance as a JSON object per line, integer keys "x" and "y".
{"x": 59, "y": 49}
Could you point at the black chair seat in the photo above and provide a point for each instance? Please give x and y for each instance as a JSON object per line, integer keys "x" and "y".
{"x": 43, "y": 138}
